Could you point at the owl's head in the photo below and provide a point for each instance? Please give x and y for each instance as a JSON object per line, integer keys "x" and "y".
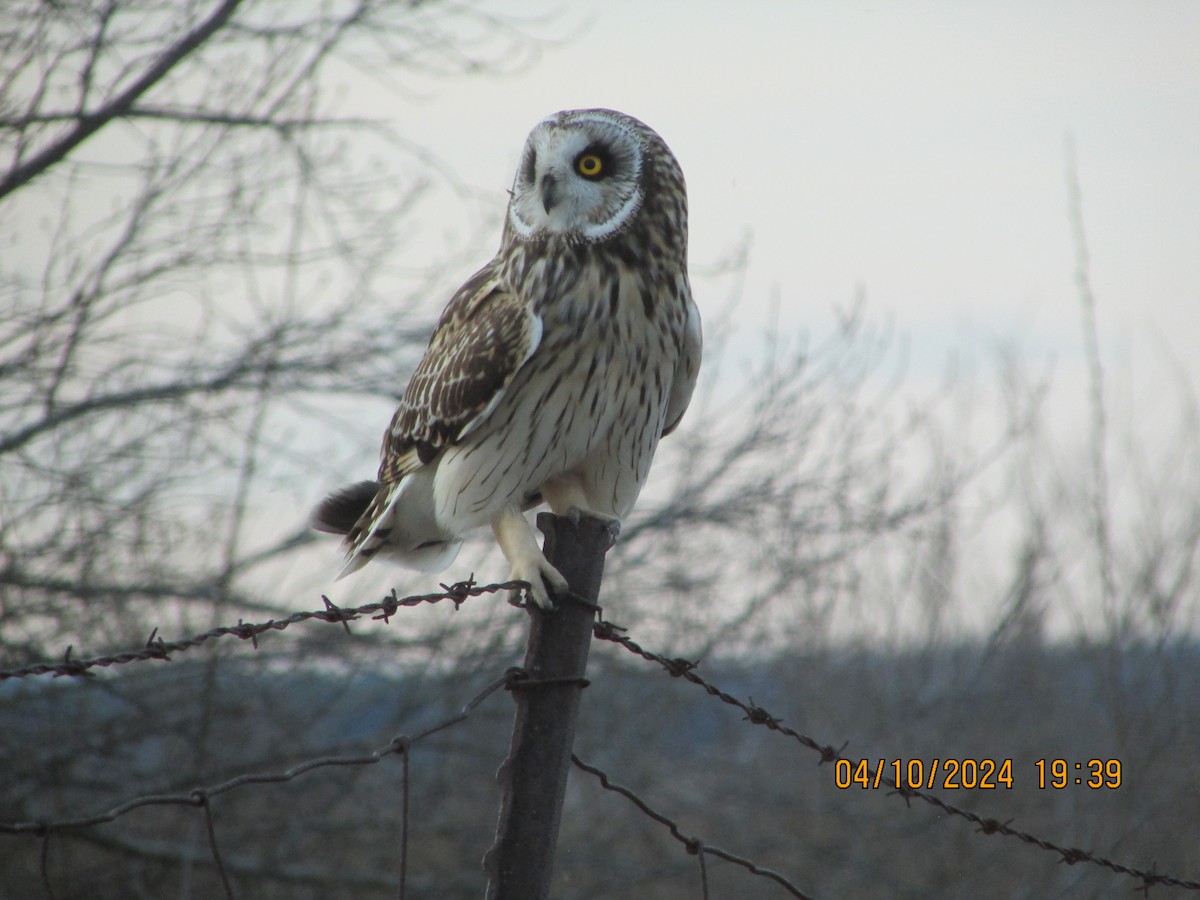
{"x": 585, "y": 174}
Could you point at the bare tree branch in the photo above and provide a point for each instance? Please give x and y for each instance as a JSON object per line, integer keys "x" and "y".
{"x": 88, "y": 123}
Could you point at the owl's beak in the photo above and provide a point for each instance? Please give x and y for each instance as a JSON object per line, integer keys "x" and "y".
{"x": 549, "y": 192}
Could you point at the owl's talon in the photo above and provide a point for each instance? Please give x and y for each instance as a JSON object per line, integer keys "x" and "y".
{"x": 539, "y": 575}
{"x": 613, "y": 527}
{"x": 611, "y": 523}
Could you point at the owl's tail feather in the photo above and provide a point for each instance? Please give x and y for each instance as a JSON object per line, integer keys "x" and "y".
{"x": 372, "y": 530}
{"x": 341, "y": 510}
{"x": 367, "y": 516}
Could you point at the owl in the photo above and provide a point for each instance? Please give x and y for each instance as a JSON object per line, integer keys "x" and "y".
{"x": 553, "y": 371}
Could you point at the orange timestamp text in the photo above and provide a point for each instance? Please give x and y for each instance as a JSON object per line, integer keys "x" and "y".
{"x": 972, "y": 774}
{"x": 921, "y": 774}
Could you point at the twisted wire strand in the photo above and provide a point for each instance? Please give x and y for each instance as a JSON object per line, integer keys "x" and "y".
{"x": 757, "y": 715}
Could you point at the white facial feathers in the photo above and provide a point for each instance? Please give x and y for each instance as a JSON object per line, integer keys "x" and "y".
{"x": 580, "y": 176}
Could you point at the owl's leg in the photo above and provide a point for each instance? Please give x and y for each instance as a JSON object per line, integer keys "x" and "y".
{"x": 528, "y": 563}
{"x": 563, "y": 492}
{"x": 566, "y": 496}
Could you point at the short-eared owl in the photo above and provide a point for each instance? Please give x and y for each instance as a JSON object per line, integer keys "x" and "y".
{"x": 553, "y": 371}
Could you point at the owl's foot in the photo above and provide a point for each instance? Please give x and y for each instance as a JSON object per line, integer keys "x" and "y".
{"x": 566, "y": 497}
{"x": 611, "y": 523}
{"x": 539, "y": 573}
{"x": 528, "y": 563}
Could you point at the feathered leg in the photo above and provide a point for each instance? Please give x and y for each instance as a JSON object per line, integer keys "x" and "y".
{"x": 517, "y": 540}
{"x": 566, "y": 497}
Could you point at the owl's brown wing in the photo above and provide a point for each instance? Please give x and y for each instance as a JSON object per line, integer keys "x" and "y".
{"x": 483, "y": 338}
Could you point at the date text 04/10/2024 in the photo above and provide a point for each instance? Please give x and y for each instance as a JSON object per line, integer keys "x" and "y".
{"x": 973, "y": 774}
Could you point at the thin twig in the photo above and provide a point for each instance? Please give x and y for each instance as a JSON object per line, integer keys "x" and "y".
{"x": 404, "y": 787}
{"x": 1091, "y": 341}
{"x": 206, "y": 805}
{"x": 88, "y": 124}
{"x": 44, "y": 865}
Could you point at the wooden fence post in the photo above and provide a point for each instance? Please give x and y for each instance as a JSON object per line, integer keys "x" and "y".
{"x": 533, "y": 778}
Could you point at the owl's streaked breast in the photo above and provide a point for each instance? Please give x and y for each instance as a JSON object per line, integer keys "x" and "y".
{"x": 590, "y": 403}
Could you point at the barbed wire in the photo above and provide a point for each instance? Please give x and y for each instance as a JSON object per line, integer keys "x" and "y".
{"x": 694, "y": 845}
{"x": 157, "y": 648}
{"x": 757, "y": 715}
{"x": 201, "y": 797}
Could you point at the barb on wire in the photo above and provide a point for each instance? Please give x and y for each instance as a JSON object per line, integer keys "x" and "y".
{"x": 399, "y": 745}
{"x": 157, "y": 648}
{"x": 686, "y": 669}
{"x": 695, "y": 846}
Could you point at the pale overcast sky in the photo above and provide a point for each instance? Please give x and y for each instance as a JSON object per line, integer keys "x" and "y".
{"x": 913, "y": 149}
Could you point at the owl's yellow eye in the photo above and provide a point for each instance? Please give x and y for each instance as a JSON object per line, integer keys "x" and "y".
{"x": 589, "y": 165}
